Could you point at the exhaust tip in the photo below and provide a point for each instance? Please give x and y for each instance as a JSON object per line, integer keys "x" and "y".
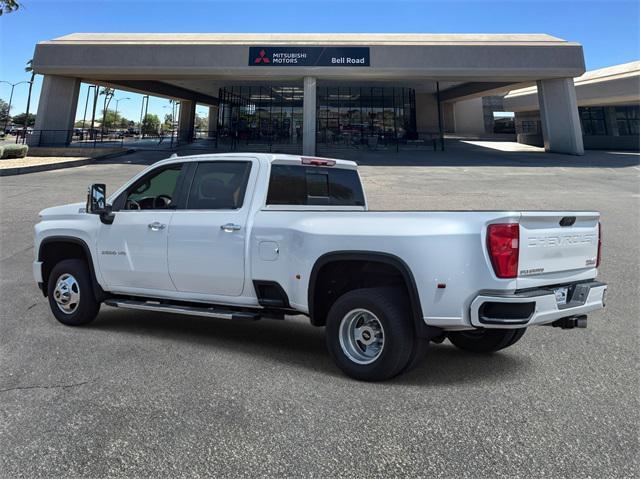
{"x": 581, "y": 322}
{"x": 571, "y": 322}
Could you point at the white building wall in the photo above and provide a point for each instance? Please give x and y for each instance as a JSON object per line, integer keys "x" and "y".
{"x": 468, "y": 117}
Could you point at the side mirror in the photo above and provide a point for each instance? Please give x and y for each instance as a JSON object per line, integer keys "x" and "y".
{"x": 97, "y": 199}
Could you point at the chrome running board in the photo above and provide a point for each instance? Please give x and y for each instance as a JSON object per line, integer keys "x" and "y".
{"x": 218, "y": 313}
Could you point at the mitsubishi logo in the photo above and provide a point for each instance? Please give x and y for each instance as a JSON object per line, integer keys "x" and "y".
{"x": 262, "y": 57}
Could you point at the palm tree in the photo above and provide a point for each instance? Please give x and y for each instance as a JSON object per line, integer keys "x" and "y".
{"x": 29, "y": 69}
{"x": 8, "y": 6}
{"x": 174, "y": 110}
{"x": 108, "y": 95}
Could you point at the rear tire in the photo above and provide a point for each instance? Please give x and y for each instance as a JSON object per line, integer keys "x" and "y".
{"x": 485, "y": 340}
{"x": 419, "y": 352}
{"x": 70, "y": 293}
{"x": 369, "y": 333}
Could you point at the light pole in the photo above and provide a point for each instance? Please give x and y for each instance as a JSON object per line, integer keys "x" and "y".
{"x": 145, "y": 102}
{"x": 13, "y": 85}
{"x": 118, "y": 100}
{"x": 174, "y": 111}
{"x": 92, "y": 134}
{"x": 26, "y": 121}
{"x": 86, "y": 104}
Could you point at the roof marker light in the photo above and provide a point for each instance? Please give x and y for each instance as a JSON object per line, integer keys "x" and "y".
{"x": 308, "y": 160}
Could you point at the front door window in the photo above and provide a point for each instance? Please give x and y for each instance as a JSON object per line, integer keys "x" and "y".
{"x": 154, "y": 192}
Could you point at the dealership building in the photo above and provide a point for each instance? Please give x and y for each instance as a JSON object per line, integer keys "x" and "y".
{"x": 313, "y": 91}
{"x": 608, "y": 106}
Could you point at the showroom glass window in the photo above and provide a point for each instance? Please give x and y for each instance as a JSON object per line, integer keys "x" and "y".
{"x": 592, "y": 119}
{"x": 628, "y": 120}
{"x": 354, "y": 116}
{"x": 529, "y": 127}
{"x": 260, "y": 114}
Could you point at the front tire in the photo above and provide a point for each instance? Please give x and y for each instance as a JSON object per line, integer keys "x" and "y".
{"x": 369, "y": 333}
{"x": 70, "y": 293}
{"x": 486, "y": 340}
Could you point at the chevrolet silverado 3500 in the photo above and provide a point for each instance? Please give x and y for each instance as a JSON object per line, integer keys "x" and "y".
{"x": 251, "y": 236}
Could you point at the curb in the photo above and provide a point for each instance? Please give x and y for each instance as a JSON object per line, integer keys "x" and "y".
{"x": 21, "y": 170}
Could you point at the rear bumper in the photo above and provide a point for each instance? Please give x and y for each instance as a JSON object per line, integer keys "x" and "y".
{"x": 491, "y": 309}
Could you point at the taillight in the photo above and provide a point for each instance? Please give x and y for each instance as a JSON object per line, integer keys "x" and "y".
{"x": 599, "y": 245}
{"x": 503, "y": 245}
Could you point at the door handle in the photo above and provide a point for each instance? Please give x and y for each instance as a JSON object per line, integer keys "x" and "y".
{"x": 230, "y": 227}
{"x": 156, "y": 226}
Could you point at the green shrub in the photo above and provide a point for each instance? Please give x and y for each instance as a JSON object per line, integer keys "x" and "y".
{"x": 14, "y": 151}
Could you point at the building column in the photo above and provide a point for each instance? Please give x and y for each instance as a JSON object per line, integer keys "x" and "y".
{"x": 448, "y": 114}
{"x": 559, "y": 116}
{"x": 213, "y": 121}
{"x": 426, "y": 113}
{"x": 309, "y": 117}
{"x": 56, "y": 111}
{"x": 186, "y": 120}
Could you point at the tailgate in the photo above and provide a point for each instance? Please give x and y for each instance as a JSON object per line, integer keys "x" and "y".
{"x": 552, "y": 242}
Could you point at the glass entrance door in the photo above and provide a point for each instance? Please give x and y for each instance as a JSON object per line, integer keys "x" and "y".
{"x": 261, "y": 115}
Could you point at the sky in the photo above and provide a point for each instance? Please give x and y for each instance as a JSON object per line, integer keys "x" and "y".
{"x": 608, "y": 30}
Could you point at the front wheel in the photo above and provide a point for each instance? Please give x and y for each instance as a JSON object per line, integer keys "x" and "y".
{"x": 369, "y": 333}
{"x": 485, "y": 340}
{"x": 70, "y": 293}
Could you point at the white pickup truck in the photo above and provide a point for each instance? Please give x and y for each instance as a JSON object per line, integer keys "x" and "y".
{"x": 251, "y": 236}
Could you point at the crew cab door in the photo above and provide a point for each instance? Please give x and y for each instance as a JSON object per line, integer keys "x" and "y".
{"x": 132, "y": 251}
{"x": 206, "y": 244}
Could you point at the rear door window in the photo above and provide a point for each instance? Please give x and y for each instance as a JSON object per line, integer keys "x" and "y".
{"x": 310, "y": 185}
{"x": 219, "y": 185}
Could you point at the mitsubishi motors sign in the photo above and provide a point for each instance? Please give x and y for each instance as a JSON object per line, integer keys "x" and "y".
{"x": 309, "y": 56}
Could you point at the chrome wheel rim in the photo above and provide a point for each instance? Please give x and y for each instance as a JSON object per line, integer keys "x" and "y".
{"x": 361, "y": 336}
{"x": 67, "y": 294}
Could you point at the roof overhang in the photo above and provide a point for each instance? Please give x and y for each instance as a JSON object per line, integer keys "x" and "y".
{"x": 453, "y": 57}
{"x": 497, "y": 60}
{"x": 615, "y": 85}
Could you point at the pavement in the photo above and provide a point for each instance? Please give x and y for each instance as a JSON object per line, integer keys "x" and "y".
{"x": 159, "y": 395}
{"x": 32, "y": 164}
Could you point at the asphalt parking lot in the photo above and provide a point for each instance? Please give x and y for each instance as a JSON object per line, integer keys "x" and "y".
{"x": 148, "y": 395}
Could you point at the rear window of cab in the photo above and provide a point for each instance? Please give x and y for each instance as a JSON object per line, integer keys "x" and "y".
{"x": 313, "y": 185}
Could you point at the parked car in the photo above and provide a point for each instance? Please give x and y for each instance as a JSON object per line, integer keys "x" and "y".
{"x": 20, "y": 133}
{"x": 253, "y": 236}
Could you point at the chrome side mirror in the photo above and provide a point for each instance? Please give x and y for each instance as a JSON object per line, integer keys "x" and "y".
{"x": 97, "y": 203}
{"x": 97, "y": 199}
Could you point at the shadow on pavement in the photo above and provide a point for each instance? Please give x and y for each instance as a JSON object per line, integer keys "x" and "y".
{"x": 299, "y": 344}
{"x": 291, "y": 341}
{"x": 447, "y": 365}
{"x": 457, "y": 153}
